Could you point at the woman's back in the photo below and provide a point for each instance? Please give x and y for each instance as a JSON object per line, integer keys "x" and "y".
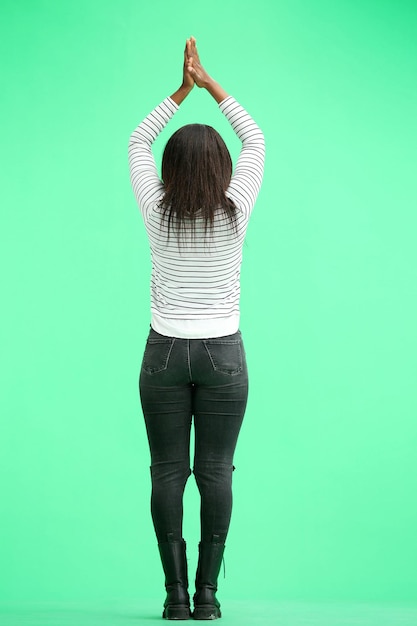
{"x": 195, "y": 283}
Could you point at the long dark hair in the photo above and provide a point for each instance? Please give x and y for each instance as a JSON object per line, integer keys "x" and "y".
{"x": 196, "y": 171}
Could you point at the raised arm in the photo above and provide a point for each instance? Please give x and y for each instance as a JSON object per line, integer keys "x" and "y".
{"x": 248, "y": 174}
{"x": 144, "y": 178}
{"x": 247, "y": 178}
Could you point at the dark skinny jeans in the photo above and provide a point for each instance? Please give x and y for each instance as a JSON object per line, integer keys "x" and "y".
{"x": 182, "y": 379}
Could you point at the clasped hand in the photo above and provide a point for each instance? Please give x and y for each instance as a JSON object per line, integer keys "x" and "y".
{"x": 195, "y": 74}
{"x": 193, "y": 71}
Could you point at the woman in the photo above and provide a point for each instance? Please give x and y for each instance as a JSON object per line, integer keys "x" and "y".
{"x": 194, "y": 363}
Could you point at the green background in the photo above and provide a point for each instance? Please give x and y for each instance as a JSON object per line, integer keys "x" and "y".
{"x": 325, "y": 488}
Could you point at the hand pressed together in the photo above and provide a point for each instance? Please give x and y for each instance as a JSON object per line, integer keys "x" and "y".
{"x": 194, "y": 67}
{"x": 195, "y": 74}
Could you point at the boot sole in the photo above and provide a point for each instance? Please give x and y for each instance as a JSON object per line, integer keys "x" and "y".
{"x": 177, "y": 612}
{"x": 206, "y": 612}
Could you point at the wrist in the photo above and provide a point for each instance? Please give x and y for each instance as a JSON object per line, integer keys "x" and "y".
{"x": 209, "y": 83}
{"x": 215, "y": 90}
{"x": 186, "y": 88}
{"x": 181, "y": 93}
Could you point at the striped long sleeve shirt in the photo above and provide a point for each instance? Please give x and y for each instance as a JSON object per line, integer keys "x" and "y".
{"x": 195, "y": 283}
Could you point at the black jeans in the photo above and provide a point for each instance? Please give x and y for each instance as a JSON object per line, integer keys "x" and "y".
{"x": 180, "y": 379}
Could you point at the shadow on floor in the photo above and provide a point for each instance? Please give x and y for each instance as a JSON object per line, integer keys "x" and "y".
{"x": 235, "y": 613}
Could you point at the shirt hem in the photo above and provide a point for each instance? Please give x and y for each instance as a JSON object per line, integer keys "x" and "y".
{"x": 197, "y": 328}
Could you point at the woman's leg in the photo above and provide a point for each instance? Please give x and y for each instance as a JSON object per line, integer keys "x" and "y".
{"x": 219, "y": 404}
{"x": 166, "y": 397}
{"x": 168, "y": 422}
{"x": 166, "y": 394}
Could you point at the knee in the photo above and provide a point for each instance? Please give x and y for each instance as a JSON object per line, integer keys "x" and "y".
{"x": 213, "y": 474}
{"x": 170, "y": 474}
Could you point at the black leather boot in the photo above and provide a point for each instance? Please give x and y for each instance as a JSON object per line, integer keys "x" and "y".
{"x": 174, "y": 562}
{"x": 206, "y": 605}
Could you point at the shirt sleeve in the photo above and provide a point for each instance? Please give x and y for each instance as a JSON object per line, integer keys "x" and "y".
{"x": 247, "y": 177}
{"x": 144, "y": 178}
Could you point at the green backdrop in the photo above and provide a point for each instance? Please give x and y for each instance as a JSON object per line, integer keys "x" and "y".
{"x": 325, "y": 488}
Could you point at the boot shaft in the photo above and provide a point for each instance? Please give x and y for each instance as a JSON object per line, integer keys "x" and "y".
{"x": 209, "y": 564}
{"x": 174, "y": 562}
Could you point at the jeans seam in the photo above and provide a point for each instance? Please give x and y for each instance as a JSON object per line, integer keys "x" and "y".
{"x": 189, "y": 360}
{"x": 169, "y": 353}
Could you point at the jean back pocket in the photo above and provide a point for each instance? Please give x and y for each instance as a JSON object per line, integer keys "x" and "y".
{"x": 226, "y": 355}
{"x": 157, "y": 353}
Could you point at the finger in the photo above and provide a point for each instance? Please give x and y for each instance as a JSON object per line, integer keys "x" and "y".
{"x": 194, "y": 47}
{"x": 187, "y": 51}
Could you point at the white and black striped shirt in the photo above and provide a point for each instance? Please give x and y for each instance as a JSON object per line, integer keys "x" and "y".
{"x": 195, "y": 286}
